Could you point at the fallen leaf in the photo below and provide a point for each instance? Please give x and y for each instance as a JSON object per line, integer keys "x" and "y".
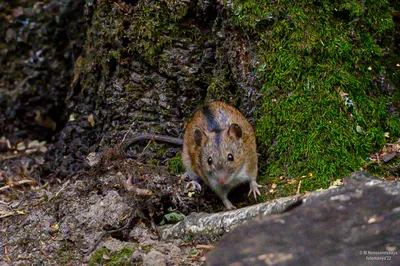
{"x": 337, "y": 182}
{"x": 386, "y": 157}
{"x": 91, "y": 120}
{"x": 77, "y": 71}
{"x": 106, "y": 257}
{"x": 172, "y": 218}
{"x": 33, "y": 144}
{"x": 359, "y": 130}
{"x": 46, "y": 121}
{"x": 21, "y": 146}
{"x": 16, "y": 12}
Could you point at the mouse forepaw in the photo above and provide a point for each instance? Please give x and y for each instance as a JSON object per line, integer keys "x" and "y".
{"x": 254, "y": 189}
{"x": 193, "y": 185}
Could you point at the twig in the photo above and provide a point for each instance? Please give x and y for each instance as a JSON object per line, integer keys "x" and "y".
{"x": 127, "y": 132}
{"x": 298, "y": 188}
{"x": 4, "y": 158}
{"x": 206, "y": 247}
{"x": 145, "y": 148}
{"x": 58, "y": 192}
{"x": 137, "y": 191}
{"x": 44, "y": 252}
{"x": 18, "y": 184}
{"x": 90, "y": 250}
{"x": 6, "y": 253}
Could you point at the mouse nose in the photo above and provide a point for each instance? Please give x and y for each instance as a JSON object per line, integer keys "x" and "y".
{"x": 222, "y": 180}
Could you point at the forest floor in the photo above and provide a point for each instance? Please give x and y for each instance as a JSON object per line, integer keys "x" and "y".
{"x": 96, "y": 218}
{"x": 88, "y": 219}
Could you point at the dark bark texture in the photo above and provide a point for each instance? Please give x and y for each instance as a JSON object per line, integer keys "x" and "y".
{"x": 38, "y": 48}
{"x": 145, "y": 68}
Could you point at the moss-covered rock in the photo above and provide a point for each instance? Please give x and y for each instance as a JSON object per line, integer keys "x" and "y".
{"x": 325, "y": 108}
{"x": 104, "y": 256}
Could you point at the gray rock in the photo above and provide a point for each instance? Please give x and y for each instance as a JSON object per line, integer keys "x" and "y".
{"x": 154, "y": 258}
{"x": 216, "y": 224}
{"x": 357, "y": 223}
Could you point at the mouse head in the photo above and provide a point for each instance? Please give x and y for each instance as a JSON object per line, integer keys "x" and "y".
{"x": 221, "y": 153}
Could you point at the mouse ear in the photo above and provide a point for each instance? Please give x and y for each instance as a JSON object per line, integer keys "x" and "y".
{"x": 199, "y": 136}
{"x": 235, "y": 131}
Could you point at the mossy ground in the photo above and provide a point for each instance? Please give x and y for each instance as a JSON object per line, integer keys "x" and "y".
{"x": 322, "y": 113}
{"x": 104, "y": 256}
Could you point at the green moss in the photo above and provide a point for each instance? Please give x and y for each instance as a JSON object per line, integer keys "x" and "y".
{"x": 116, "y": 54}
{"x": 105, "y": 257}
{"x": 175, "y": 165}
{"x": 152, "y": 26}
{"x": 64, "y": 254}
{"x": 322, "y": 113}
{"x": 147, "y": 248}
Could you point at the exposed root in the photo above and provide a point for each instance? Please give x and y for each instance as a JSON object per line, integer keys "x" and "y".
{"x": 90, "y": 250}
{"x": 137, "y": 191}
{"x": 18, "y": 184}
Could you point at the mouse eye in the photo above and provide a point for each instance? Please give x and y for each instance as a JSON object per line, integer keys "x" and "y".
{"x": 209, "y": 161}
{"x": 230, "y": 157}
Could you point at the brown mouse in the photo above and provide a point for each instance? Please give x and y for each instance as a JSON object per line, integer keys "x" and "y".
{"x": 219, "y": 147}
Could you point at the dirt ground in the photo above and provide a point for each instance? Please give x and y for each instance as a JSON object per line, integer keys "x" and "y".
{"x": 93, "y": 218}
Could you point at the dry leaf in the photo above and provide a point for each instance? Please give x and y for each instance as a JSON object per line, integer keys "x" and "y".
{"x": 386, "y": 157}
{"x": 91, "y": 120}
{"x": 21, "y": 146}
{"x": 46, "y": 121}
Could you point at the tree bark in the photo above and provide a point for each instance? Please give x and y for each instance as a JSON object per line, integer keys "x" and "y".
{"x": 145, "y": 68}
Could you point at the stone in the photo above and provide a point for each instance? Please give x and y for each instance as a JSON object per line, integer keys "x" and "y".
{"x": 357, "y": 223}
{"x": 154, "y": 258}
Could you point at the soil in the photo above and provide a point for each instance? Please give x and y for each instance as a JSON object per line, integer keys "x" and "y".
{"x": 58, "y": 208}
{"x": 92, "y": 216}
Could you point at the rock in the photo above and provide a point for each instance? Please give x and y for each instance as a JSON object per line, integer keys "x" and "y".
{"x": 154, "y": 258}
{"x": 93, "y": 159}
{"x": 141, "y": 235}
{"x": 104, "y": 212}
{"x": 115, "y": 245}
{"x": 358, "y": 223}
{"x": 109, "y": 210}
{"x": 216, "y": 224}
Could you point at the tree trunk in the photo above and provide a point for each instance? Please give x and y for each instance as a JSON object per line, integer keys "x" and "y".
{"x": 146, "y": 67}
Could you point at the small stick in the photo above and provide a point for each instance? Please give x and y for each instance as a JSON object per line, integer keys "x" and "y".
{"x": 44, "y": 252}
{"x": 138, "y": 191}
{"x": 90, "y": 250}
{"x": 4, "y": 158}
{"x": 172, "y": 140}
{"x": 18, "y": 184}
{"x": 298, "y": 188}
{"x": 206, "y": 247}
{"x": 6, "y": 252}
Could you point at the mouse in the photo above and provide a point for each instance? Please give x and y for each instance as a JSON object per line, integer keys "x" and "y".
{"x": 219, "y": 147}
